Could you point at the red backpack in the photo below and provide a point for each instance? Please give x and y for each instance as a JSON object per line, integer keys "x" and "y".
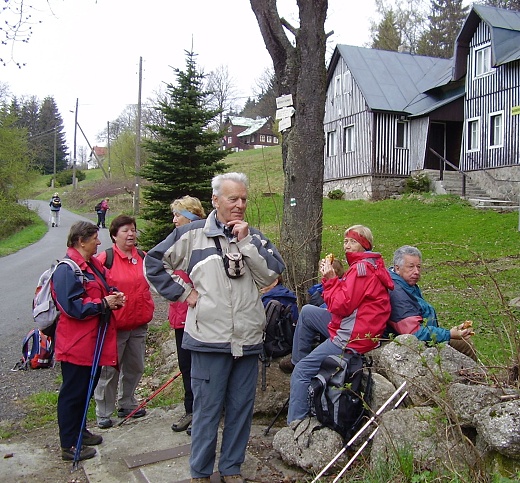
{"x": 37, "y": 350}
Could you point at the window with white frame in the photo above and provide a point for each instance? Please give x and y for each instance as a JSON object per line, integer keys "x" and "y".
{"x": 331, "y": 143}
{"x": 347, "y": 82}
{"x": 230, "y": 128}
{"x": 269, "y": 139}
{"x": 483, "y": 61}
{"x": 496, "y": 129}
{"x": 348, "y": 139}
{"x": 473, "y": 134}
{"x": 262, "y": 138}
{"x": 337, "y": 86}
{"x": 275, "y": 140}
{"x": 230, "y": 139}
{"x": 401, "y": 139}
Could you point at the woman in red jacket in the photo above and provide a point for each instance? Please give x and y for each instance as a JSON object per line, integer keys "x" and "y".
{"x": 185, "y": 210}
{"x": 81, "y": 301}
{"x": 126, "y": 271}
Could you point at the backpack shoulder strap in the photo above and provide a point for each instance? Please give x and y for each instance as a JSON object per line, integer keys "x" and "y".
{"x": 141, "y": 253}
{"x": 75, "y": 267}
{"x": 109, "y": 261}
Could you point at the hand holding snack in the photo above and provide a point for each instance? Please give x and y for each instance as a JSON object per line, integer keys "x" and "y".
{"x": 326, "y": 268}
{"x": 462, "y": 331}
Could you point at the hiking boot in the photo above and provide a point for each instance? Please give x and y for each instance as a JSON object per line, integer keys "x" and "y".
{"x": 53, "y": 225}
{"x": 232, "y": 479}
{"x": 286, "y": 365}
{"x": 104, "y": 423}
{"x": 123, "y": 413}
{"x": 188, "y": 431}
{"x": 90, "y": 439}
{"x": 183, "y": 423}
{"x": 206, "y": 479}
{"x": 86, "y": 453}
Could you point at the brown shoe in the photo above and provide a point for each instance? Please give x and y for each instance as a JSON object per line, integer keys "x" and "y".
{"x": 201, "y": 480}
{"x": 286, "y": 365}
{"x": 232, "y": 479}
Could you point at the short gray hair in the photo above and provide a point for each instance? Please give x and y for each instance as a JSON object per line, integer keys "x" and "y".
{"x": 216, "y": 182}
{"x": 401, "y": 252}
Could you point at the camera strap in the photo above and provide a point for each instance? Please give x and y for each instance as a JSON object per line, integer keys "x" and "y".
{"x": 233, "y": 261}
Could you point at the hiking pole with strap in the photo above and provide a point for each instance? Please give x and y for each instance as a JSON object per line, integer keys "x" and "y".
{"x": 100, "y": 341}
{"x": 363, "y": 446}
{"x": 266, "y": 432}
{"x": 148, "y": 399}
{"x": 361, "y": 430}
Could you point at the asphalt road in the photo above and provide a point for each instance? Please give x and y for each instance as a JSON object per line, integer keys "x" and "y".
{"x": 19, "y": 275}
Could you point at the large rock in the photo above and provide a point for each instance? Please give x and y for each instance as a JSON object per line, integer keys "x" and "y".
{"x": 499, "y": 426}
{"x": 427, "y": 370}
{"x": 301, "y": 444}
{"x": 422, "y": 432}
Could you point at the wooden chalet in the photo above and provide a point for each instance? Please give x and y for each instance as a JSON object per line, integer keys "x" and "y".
{"x": 487, "y": 55}
{"x": 245, "y": 133}
{"x": 389, "y": 114}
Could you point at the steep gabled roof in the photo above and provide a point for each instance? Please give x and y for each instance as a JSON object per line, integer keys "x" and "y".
{"x": 397, "y": 81}
{"x": 254, "y": 126}
{"x": 504, "y": 26}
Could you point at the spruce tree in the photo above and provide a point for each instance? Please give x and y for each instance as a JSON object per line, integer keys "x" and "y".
{"x": 49, "y": 119}
{"x": 184, "y": 153}
{"x": 444, "y": 24}
{"x": 386, "y": 35}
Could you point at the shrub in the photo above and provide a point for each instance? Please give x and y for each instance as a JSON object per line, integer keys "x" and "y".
{"x": 336, "y": 195}
{"x": 63, "y": 178}
{"x": 417, "y": 183}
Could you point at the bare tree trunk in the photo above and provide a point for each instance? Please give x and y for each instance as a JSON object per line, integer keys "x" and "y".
{"x": 300, "y": 71}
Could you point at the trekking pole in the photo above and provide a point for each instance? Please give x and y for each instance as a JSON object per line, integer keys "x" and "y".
{"x": 100, "y": 341}
{"x": 148, "y": 399}
{"x": 363, "y": 446}
{"x": 266, "y": 431}
{"x": 361, "y": 430}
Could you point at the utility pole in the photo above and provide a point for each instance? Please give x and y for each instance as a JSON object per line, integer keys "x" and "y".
{"x": 108, "y": 148}
{"x": 54, "y": 170}
{"x": 75, "y": 133}
{"x": 138, "y": 141}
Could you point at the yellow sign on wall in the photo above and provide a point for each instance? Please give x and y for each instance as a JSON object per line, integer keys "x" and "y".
{"x": 515, "y": 110}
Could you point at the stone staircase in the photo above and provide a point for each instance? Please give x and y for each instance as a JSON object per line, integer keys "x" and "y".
{"x": 452, "y": 184}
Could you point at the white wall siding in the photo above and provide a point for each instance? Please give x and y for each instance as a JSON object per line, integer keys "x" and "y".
{"x": 498, "y": 91}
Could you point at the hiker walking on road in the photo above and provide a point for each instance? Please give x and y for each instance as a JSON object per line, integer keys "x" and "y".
{"x": 125, "y": 264}
{"x": 55, "y": 205}
{"x": 227, "y": 261}
{"x": 102, "y": 213}
{"x": 81, "y": 302}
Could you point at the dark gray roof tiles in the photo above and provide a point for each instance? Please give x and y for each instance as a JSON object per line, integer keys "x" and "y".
{"x": 394, "y": 81}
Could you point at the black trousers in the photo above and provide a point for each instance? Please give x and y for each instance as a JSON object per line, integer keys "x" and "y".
{"x": 184, "y": 359}
{"x": 72, "y": 400}
{"x": 101, "y": 215}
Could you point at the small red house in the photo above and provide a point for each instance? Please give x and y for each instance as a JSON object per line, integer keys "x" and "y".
{"x": 245, "y": 133}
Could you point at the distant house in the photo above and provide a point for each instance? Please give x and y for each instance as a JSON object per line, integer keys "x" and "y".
{"x": 245, "y": 133}
{"x": 388, "y": 114}
{"x": 98, "y": 152}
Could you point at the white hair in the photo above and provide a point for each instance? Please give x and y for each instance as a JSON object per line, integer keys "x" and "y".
{"x": 216, "y": 182}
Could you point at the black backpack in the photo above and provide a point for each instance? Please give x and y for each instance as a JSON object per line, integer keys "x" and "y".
{"x": 278, "y": 333}
{"x": 338, "y": 393}
{"x": 97, "y": 207}
{"x": 109, "y": 261}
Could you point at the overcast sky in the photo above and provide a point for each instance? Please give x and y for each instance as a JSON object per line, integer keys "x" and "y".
{"x": 90, "y": 50}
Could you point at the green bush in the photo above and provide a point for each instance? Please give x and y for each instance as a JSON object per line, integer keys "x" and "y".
{"x": 336, "y": 195}
{"x": 64, "y": 178}
{"x": 14, "y": 215}
{"x": 417, "y": 183}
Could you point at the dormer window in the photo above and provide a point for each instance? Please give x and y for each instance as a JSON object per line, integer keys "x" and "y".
{"x": 483, "y": 61}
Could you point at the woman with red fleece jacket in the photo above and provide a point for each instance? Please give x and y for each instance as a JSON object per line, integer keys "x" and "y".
{"x": 358, "y": 308}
